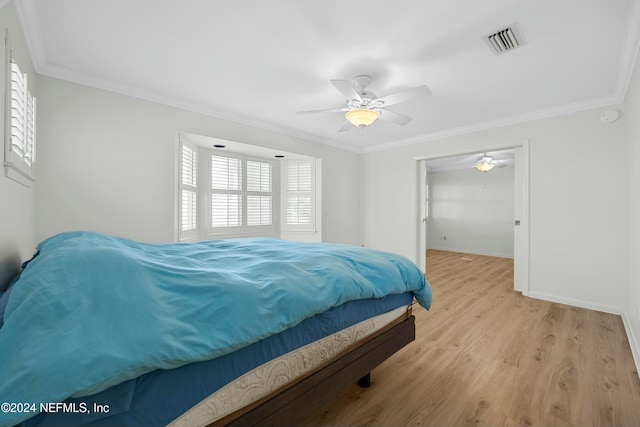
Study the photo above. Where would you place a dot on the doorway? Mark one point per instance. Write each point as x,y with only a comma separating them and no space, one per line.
515,156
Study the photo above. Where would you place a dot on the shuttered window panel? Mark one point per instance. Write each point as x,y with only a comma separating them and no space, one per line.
226,192
23,116
299,176
20,122
189,165
258,176
188,188
188,210
299,210
259,196
226,173
299,194
259,210
226,210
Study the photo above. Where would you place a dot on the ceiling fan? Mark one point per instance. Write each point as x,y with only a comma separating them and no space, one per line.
364,107
486,163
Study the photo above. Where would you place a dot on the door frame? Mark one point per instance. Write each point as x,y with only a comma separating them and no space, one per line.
521,234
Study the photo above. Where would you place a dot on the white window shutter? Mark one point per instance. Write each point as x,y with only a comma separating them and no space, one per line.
258,176
259,193
259,210
226,192
188,210
226,173
299,195
226,210
188,190
20,144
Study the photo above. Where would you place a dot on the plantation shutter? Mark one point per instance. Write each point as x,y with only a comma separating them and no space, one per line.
259,193
188,189
20,138
299,204
23,117
226,192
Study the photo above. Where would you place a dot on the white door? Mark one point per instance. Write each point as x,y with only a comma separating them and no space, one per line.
521,223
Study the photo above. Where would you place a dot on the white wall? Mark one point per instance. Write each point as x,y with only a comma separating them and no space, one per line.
17,241
473,210
632,109
107,163
579,205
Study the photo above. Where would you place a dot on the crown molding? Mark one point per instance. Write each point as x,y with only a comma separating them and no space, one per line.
506,121
110,86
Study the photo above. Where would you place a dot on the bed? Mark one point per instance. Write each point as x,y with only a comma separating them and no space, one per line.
258,331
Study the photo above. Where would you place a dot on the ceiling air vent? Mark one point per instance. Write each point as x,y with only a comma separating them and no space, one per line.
503,41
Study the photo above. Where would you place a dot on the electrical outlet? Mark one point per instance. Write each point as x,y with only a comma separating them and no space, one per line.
444,237
638,313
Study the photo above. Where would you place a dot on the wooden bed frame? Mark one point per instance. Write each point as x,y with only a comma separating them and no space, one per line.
297,401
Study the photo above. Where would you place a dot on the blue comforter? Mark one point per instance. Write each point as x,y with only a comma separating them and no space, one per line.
91,310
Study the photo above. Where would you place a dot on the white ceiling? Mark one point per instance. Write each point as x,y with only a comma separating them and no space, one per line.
258,62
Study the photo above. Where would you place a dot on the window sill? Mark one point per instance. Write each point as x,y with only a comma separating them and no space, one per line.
16,174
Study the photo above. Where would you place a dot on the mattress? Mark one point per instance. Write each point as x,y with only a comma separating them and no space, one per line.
209,389
277,373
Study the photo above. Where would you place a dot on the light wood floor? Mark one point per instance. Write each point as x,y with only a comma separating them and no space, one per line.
487,356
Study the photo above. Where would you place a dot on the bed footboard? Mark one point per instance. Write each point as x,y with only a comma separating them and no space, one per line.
312,392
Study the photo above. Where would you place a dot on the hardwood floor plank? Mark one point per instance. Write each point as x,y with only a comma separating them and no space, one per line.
487,356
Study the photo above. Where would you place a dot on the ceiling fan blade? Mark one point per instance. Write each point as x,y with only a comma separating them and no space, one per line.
346,126
327,110
346,88
405,95
393,117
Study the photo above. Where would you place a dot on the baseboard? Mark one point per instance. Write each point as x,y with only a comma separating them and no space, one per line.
633,343
472,252
575,302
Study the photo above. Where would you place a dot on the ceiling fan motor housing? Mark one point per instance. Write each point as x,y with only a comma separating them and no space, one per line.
360,83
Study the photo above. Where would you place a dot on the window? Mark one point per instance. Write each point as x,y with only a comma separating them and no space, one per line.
20,138
220,194
226,192
188,216
259,194
241,194
299,195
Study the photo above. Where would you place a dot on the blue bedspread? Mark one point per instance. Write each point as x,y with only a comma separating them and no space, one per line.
91,310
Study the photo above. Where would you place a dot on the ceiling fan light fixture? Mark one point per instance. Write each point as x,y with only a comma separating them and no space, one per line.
485,163
485,166
361,117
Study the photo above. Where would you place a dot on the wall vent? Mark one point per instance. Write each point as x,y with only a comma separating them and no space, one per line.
503,41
